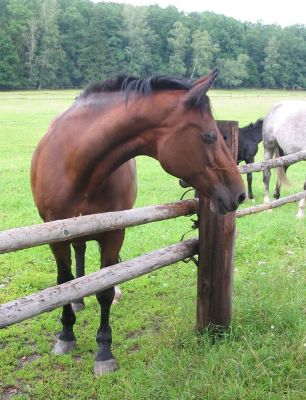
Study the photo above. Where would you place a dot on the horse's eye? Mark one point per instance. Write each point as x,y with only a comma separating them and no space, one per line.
209,137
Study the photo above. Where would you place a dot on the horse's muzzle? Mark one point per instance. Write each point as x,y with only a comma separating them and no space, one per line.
225,204
223,201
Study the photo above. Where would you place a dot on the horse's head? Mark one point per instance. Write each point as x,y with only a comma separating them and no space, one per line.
193,149
252,132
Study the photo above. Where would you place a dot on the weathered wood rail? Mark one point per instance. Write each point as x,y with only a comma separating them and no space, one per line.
72,228
293,198
53,297
273,163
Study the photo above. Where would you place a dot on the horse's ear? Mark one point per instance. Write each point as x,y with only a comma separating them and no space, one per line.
211,76
199,88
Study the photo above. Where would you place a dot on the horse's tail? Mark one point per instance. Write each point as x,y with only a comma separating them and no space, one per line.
281,172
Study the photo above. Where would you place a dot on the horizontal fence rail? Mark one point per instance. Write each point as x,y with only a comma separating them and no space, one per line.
273,163
273,204
72,228
56,296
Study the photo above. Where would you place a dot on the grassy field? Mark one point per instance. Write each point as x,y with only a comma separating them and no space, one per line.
160,356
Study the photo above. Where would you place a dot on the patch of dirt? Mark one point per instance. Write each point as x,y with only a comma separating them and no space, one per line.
5,282
157,322
60,367
135,334
134,348
9,392
27,359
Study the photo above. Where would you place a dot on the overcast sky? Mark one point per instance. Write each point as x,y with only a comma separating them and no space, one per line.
266,11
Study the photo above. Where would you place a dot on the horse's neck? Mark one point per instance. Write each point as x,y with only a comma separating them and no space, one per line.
257,135
123,133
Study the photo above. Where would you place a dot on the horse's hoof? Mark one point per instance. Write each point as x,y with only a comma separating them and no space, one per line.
118,295
300,215
78,306
62,347
105,367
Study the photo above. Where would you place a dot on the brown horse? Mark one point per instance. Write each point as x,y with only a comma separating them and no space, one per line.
75,166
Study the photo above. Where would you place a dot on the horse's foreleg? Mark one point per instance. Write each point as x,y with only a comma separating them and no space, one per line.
266,181
66,340
250,192
269,152
110,244
79,250
105,361
249,160
300,213
277,189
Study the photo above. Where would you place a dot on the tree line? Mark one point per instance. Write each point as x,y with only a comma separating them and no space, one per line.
69,43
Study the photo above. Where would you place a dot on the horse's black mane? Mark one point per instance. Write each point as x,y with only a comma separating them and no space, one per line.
143,86
256,124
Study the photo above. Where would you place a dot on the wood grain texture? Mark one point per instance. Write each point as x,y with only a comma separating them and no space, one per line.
71,228
53,297
216,250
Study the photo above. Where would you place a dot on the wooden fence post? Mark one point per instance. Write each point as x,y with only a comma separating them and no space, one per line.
216,250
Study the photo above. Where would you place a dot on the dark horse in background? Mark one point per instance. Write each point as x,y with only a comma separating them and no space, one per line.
87,149
248,139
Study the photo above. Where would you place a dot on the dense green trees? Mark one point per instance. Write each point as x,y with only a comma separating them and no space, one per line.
271,65
68,43
139,40
203,52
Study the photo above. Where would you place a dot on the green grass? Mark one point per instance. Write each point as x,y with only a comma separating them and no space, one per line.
160,356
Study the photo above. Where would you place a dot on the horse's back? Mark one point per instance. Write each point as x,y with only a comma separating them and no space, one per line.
285,125
59,186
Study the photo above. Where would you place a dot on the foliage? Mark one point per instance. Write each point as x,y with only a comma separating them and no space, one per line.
178,41
8,62
233,72
139,39
203,51
68,43
271,65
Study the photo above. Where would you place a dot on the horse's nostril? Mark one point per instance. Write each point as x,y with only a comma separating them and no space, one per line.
241,198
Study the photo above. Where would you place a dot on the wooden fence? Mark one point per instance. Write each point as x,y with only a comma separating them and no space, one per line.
215,265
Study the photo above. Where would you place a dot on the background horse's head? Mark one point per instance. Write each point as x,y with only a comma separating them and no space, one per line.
195,151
